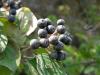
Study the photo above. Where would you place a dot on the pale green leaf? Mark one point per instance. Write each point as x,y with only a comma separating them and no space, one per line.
28,21
46,66
3,42
10,58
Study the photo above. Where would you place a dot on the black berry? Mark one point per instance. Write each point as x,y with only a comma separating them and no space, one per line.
48,21
11,4
34,44
59,46
58,55
50,29
60,22
41,23
12,12
53,39
61,29
65,39
42,33
44,43
11,18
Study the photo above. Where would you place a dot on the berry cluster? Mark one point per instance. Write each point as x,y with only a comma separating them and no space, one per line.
13,5
51,36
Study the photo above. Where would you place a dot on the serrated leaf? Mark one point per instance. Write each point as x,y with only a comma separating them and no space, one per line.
45,66
29,69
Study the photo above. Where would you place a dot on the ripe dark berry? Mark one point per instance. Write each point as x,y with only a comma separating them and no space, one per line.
60,22
12,12
48,21
50,29
42,33
58,55
59,46
34,44
11,18
41,23
53,39
61,29
11,4
65,39
44,43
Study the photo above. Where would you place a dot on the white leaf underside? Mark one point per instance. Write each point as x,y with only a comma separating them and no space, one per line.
27,18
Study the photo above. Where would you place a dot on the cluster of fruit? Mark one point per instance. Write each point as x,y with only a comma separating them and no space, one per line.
13,6
51,36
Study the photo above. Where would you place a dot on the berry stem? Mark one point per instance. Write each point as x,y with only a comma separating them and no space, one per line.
55,33
25,49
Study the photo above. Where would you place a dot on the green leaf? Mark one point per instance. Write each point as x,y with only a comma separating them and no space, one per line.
46,66
28,21
3,42
72,66
89,70
7,26
5,71
53,17
29,69
41,50
12,31
10,58
1,25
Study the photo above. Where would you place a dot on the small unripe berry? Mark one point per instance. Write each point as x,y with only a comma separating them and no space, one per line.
53,39
12,12
42,33
41,23
58,55
50,29
44,43
48,21
65,39
34,44
59,46
11,18
61,29
60,22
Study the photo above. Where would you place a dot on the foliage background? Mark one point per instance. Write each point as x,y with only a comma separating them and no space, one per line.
77,13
